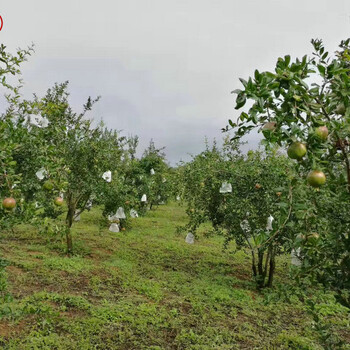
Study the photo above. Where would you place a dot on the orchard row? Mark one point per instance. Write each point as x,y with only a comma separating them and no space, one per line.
302,109
264,201
54,163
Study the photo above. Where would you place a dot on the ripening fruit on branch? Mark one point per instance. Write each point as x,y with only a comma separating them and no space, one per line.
127,202
322,133
48,185
312,237
296,150
340,109
278,194
9,203
257,186
58,201
341,143
269,126
316,178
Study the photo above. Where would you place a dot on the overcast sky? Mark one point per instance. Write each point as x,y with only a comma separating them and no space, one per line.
164,68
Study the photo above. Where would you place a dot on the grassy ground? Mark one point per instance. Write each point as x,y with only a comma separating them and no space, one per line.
145,288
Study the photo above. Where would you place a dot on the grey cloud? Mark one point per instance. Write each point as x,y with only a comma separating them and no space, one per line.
164,68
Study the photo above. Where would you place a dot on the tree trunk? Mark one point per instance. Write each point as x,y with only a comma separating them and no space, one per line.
267,260
69,241
255,272
260,277
69,223
272,268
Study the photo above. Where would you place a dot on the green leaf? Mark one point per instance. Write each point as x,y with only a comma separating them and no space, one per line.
287,60
244,82
321,69
232,124
257,75
240,101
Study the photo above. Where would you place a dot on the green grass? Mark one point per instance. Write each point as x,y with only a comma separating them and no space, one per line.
147,289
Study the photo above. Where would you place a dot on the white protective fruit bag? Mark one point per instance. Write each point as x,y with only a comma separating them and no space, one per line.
114,227
189,238
107,176
38,120
152,171
133,213
88,205
247,229
295,260
225,188
269,223
41,173
120,214
144,198
245,226
113,218
76,217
